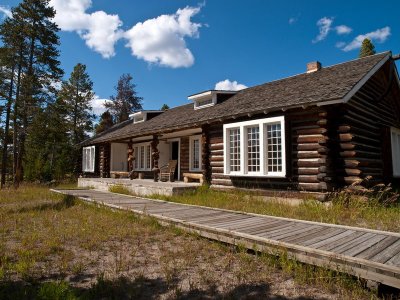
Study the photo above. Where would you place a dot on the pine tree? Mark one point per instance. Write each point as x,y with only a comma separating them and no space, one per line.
164,107
126,101
105,123
367,48
31,36
76,95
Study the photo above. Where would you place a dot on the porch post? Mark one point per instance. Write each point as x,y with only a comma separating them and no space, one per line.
205,155
104,166
130,156
155,154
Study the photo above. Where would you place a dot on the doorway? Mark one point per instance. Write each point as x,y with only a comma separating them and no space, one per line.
175,156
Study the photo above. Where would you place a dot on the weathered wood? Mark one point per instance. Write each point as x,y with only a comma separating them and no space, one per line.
299,239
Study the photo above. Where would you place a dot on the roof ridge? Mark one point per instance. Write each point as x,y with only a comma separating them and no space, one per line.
323,68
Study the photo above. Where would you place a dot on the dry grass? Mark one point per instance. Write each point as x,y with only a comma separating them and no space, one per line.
350,210
55,247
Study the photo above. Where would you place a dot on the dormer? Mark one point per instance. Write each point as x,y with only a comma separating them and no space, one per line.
144,115
209,98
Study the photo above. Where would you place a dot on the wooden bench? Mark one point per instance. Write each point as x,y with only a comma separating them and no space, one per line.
188,177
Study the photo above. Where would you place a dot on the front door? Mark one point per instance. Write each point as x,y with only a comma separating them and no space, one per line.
175,155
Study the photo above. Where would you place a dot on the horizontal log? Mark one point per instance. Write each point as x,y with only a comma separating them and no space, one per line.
224,182
318,138
216,146
308,179
352,172
306,154
312,131
322,122
217,163
216,158
308,163
315,187
219,176
362,163
307,147
308,171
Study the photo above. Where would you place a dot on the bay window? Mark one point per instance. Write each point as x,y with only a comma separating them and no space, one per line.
255,148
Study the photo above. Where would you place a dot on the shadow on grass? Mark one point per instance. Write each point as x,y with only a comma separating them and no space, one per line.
66,201
123,288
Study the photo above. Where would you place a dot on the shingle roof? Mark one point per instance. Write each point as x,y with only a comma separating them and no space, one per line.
325,85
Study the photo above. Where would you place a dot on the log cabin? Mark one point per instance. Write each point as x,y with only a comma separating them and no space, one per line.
315,132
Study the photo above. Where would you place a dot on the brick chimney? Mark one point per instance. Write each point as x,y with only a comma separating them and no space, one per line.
313,66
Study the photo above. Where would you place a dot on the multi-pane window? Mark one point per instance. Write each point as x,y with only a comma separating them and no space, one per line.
234,149
195,153
395,139
274,145
142,154
88,157
255,148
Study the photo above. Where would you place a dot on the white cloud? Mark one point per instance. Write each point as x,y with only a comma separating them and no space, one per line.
343,29
6,11
98,105
99,30
340,44
162,40
227,85
325,25
379,35
293,20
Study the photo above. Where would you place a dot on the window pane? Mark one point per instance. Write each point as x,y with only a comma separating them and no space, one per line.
196,154
234,150
148,157
274,153
142,157
253,149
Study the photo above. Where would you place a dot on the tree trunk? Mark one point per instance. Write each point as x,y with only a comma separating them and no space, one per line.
6,131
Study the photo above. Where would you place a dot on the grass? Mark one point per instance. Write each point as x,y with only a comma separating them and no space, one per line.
56,247
354,212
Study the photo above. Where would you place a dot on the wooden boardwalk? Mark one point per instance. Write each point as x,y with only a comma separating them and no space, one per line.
370,254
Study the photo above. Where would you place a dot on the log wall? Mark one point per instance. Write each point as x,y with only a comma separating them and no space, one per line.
364,129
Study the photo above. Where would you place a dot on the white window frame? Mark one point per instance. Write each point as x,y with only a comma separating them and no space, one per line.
137,156
191,156
262,124
88,166
395,146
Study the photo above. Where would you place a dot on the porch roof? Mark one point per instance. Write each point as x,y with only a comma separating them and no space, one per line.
322,87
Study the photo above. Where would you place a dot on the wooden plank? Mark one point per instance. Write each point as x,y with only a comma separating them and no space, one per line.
354,243
260,226
308,228
363,246
333,232
240,224
377,248
387,253
394,261
305,237
331,239
339,241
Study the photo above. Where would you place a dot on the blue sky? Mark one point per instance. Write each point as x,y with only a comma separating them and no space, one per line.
177,48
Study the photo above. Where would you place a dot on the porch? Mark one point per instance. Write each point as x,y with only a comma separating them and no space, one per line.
142,187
